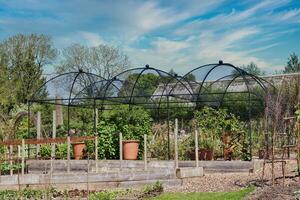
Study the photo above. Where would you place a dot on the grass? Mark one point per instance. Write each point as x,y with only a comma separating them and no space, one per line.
236,195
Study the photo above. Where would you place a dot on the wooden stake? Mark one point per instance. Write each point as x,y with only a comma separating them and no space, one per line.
38,132
175,143
68,154
96,154
273,157
23,156
121,148
145,152
196,148
53,136
11,158
19,151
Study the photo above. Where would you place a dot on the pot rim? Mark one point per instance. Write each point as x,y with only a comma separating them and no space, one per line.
77,143
131,141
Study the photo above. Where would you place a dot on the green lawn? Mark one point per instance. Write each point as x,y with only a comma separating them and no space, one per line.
237,195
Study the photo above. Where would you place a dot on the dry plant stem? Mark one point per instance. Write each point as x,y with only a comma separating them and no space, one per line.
298,151
273,148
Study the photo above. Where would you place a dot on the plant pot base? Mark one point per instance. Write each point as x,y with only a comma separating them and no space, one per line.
78,150
130,149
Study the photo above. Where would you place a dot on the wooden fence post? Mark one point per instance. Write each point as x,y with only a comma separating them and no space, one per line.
38,132
175,143
53,136
68,154
23,156
121,149
19,151
145,152
11,158
96,153
196,148
96,141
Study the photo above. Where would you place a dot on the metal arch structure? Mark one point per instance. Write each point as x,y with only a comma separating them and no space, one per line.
235,74
205,85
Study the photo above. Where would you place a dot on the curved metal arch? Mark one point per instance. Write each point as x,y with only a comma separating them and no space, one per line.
225,91
240,71
167,84
93,83
158,71
60,75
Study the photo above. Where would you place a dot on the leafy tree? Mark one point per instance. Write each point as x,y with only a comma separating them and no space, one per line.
140,85
22,58
106,61
293,64
252,68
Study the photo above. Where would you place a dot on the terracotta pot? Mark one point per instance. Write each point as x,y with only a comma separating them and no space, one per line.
130,149
202,154
78,150
209,154
191,155
227,153
226,138
262,153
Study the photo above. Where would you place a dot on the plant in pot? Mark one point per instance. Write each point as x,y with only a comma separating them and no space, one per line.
78,147
208,123
209,149
130,143
232,129
133,124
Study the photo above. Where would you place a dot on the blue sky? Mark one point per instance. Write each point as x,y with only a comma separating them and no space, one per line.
166,34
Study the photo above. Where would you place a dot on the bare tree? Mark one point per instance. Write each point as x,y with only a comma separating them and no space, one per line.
103,60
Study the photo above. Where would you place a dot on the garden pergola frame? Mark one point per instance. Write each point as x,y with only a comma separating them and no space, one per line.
205,85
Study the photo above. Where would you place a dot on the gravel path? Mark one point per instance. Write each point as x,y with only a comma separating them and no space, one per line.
218,182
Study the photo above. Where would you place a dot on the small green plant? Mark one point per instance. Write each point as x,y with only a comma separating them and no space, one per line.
45,151
152,190
104,195
62,150
5,167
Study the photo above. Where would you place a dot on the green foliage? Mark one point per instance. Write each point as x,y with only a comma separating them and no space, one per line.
293,64
214,123
22,60
236,195
45,151
144,85
108,139
104,195
26,194
133,123
62,151
298,115
152,190
5,167
252,68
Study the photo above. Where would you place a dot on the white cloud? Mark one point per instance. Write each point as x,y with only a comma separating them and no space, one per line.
178,33
92,39
195,51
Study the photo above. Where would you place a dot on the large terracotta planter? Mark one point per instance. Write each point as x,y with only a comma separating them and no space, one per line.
209,154
78,150
227,150
263,154
227,153
202,154
130,149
